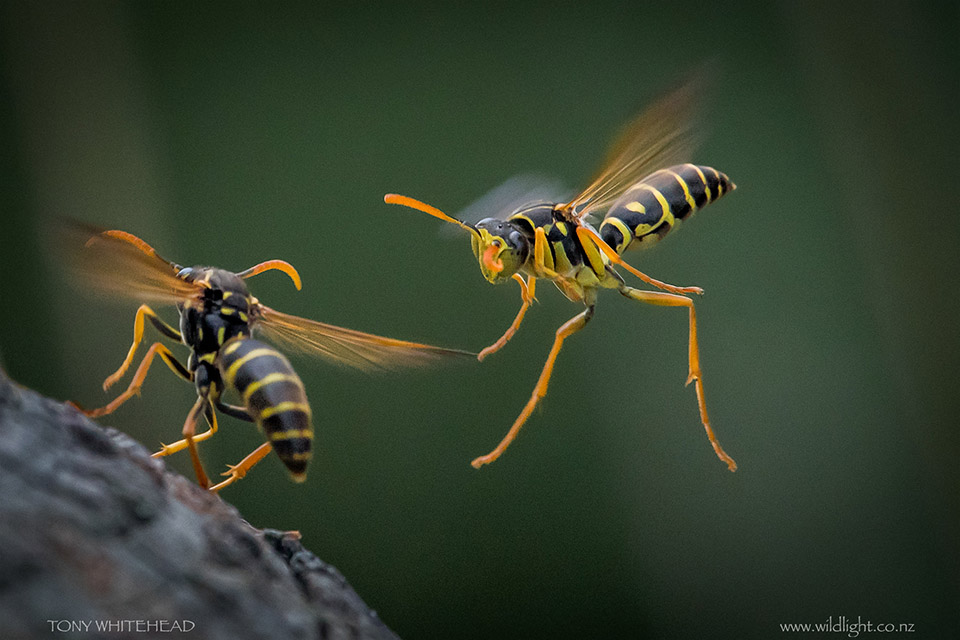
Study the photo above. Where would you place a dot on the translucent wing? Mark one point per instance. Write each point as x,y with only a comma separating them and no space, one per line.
120,264
658,137
345,346
512,194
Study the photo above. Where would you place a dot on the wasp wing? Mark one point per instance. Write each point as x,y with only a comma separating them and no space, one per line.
119,264
511,195
347,347
660,136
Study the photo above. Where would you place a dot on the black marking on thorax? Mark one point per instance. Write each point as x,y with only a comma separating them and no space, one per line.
559,233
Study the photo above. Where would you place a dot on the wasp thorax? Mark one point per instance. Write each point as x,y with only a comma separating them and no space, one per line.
501,248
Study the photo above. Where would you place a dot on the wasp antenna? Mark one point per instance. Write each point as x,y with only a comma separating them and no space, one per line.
131,239
406,201
279,265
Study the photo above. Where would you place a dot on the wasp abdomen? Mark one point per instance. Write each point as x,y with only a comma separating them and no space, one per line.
649,209
274,396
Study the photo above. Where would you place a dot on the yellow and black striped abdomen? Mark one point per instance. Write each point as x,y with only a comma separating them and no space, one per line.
649,209
274,396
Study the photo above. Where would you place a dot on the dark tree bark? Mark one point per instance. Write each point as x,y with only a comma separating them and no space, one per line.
98,537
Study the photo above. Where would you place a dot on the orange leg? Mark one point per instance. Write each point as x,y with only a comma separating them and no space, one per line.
180,445
586,234
138,377
241,468
694,375
143,312
568,328
527,290
189,429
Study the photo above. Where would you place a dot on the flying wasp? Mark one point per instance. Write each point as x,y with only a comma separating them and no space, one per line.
556,241
218,317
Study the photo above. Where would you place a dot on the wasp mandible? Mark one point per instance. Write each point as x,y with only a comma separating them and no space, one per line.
218,317
555,241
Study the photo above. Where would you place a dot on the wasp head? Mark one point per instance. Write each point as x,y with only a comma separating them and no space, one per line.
501,248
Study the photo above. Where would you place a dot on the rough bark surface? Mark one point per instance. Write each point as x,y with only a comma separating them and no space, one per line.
96,532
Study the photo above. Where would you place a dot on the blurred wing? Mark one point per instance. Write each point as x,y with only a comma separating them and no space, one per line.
119,267
659,137
345,346
511,195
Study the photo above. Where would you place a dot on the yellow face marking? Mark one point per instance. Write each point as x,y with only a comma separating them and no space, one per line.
562,227
243,317
291,434
208,357
268,379
686,190
283,407
227,294
227,311
636,207
221,334
231,372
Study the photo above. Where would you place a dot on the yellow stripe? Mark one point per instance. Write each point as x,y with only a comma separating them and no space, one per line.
659,196
233,347
227,311
624,231
306,455
719,181
270,378
703,178
562,227
291,434
256,353
686,190
209,357
285,406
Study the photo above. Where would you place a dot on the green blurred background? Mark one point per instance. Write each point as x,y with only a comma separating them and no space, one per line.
231,133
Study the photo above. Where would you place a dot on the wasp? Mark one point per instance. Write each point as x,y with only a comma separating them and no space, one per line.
644,191
217,319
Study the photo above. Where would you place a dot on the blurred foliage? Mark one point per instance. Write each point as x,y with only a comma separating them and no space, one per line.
229,133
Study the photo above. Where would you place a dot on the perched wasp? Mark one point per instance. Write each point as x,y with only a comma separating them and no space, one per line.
218,316
555,241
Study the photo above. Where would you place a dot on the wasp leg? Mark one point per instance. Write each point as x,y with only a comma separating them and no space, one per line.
588,235
527,290
540,255
239,470
694,375
189,429
567,329
143,312
279,265
137,382
234,411
180,445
